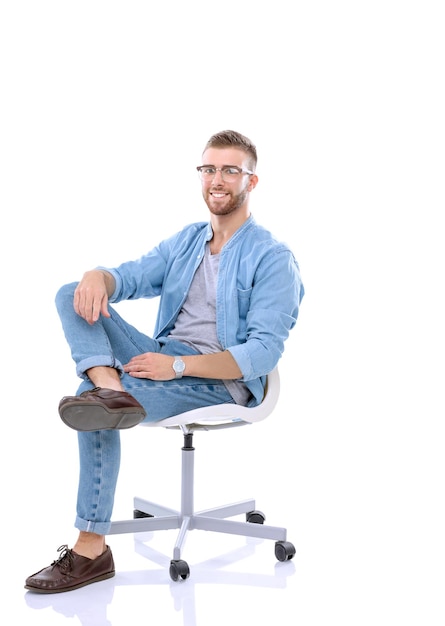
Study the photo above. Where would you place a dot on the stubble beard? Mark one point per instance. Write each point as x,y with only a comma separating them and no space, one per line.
231,206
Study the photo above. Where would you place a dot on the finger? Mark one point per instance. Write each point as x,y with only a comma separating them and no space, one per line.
97,307
104,308
81,306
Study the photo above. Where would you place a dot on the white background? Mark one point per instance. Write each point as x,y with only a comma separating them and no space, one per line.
105,109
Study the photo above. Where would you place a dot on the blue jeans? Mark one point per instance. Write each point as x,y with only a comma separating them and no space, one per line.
113,342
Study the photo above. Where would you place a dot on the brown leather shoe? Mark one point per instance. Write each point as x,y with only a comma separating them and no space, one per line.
101,409
71,571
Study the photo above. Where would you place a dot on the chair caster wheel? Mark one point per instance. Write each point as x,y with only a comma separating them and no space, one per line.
284,550
179,569
255,517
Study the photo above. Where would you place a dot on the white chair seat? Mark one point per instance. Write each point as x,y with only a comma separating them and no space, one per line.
226,415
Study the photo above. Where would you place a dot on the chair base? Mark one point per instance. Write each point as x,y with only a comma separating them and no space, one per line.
150,516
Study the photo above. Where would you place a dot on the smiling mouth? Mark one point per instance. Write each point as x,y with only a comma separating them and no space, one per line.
218,194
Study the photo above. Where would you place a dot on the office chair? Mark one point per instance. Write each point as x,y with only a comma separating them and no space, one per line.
149,516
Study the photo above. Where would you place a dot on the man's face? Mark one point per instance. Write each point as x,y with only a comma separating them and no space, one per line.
224,197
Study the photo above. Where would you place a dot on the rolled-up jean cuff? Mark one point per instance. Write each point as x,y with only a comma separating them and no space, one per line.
98,361
100,528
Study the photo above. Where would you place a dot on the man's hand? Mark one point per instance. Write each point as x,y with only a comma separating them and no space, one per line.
91,295
151,365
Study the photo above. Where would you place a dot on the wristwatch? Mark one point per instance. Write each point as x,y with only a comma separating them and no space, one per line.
178,366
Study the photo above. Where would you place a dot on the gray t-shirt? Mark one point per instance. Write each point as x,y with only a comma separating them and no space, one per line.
196,322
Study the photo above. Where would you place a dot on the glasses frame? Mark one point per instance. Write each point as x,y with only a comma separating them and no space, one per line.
242,172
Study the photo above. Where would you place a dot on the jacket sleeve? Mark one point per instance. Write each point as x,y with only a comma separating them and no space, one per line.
268,311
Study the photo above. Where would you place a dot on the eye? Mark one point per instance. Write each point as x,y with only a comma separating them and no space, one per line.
231,171
208,170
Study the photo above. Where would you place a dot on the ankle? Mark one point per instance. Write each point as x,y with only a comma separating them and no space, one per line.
90,545
105,377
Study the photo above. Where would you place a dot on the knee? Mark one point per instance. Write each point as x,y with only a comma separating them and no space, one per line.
65,295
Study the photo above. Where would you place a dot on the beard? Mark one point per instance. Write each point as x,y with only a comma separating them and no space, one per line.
232,203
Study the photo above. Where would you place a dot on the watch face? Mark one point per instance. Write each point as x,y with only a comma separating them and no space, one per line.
179,366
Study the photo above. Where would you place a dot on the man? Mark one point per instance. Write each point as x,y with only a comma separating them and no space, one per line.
229,295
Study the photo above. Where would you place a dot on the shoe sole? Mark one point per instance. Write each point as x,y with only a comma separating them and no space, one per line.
87,417
78,586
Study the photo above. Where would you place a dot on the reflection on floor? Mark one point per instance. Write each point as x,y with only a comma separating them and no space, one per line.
236,569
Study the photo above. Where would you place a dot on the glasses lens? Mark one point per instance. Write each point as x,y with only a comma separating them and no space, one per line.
207,173
230,173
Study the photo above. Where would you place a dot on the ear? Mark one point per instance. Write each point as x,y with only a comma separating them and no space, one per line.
252,182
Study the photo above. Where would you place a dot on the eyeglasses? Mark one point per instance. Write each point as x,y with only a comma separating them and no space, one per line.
229,173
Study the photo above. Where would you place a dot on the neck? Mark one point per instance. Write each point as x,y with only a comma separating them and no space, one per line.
224,226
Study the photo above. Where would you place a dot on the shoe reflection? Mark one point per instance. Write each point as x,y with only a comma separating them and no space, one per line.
89,604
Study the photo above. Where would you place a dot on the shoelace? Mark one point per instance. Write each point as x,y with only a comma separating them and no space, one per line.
65,560
84,393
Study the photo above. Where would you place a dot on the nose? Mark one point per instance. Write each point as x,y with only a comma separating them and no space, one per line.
217,178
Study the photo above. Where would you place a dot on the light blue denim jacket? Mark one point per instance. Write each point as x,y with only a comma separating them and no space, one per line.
258,294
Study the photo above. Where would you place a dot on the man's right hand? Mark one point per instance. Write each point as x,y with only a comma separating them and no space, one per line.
91,295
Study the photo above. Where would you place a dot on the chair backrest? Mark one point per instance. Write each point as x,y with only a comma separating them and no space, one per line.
226,415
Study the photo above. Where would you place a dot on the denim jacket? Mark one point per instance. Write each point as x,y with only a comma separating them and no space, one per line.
258,294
